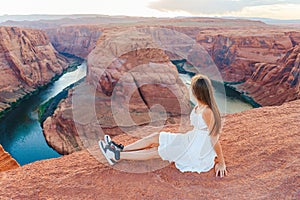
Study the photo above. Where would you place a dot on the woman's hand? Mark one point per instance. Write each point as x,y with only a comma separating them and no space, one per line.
220,169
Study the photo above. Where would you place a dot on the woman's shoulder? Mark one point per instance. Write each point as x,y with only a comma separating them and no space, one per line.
207,111
207,114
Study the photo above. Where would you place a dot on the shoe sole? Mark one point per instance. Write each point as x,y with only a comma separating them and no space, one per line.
104,153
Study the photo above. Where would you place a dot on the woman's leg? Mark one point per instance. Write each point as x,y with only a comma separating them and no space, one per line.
143,143
146,154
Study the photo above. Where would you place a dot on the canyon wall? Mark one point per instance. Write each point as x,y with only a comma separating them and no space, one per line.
237,47
27,61
77,40
275,83
260,148
260,65
236,53
6,161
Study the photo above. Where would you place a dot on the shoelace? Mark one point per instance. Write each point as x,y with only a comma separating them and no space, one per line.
120,146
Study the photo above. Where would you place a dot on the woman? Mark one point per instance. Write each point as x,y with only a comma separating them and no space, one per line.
193,151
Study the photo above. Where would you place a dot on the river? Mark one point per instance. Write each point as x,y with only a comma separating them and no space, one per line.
20,131
226,104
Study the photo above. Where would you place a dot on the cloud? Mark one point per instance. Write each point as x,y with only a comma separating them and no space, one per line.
197,7
276,11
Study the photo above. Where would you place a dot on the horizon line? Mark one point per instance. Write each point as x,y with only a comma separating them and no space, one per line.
162,17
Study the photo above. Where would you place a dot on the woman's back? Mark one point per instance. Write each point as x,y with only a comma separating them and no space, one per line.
191,151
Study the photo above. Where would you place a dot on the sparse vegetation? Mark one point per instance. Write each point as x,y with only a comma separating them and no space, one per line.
47,109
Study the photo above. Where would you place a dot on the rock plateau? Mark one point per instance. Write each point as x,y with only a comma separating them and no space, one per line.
260,148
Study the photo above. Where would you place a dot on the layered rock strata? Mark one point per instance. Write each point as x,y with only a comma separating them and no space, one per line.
274,84
27,61
236,47
77,40
130,84
6,161
139,79
257,65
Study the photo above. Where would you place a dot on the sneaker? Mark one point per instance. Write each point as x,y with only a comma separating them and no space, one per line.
111,154
110,142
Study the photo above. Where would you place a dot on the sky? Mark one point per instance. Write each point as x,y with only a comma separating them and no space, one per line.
276,9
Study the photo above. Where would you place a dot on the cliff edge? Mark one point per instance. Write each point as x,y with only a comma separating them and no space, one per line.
6,161
261,151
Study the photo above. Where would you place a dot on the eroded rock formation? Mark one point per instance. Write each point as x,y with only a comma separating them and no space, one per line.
77,40
260,148
274,84
6,161
236,46
245,59
27,61
235,54
128,77
134,78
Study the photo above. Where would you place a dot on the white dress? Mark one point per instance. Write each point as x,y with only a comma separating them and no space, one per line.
192,151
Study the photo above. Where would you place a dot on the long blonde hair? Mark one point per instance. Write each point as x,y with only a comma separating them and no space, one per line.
203,91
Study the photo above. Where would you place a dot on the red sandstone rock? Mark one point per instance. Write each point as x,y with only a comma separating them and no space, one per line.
119,77
60,131
265,65
6,161
131,62
236,46
77,40
126,91
27,61
236,53
274,84
260,148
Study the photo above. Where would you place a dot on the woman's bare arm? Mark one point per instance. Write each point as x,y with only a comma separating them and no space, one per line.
220,167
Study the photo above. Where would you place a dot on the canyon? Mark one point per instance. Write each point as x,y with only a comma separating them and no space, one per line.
126,92
276,83
257,65
28,61
261,56
133,89
237,47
